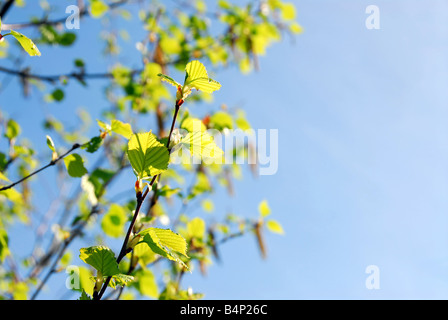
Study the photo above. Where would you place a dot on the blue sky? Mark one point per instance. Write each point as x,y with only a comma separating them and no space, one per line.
363,153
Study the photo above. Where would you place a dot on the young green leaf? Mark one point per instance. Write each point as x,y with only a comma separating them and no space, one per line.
148,157
113,221
165,243
274,226
26,43
75,165
4,250
120,280
263,208
121,128
93,145
50,143
197,78
196,228
202,145
98,8
168,80
101,258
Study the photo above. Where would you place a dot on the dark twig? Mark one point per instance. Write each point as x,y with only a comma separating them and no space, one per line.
52,163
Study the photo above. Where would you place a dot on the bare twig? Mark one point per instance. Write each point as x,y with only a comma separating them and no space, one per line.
52,163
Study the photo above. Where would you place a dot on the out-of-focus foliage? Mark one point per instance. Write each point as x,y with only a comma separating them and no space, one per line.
180,39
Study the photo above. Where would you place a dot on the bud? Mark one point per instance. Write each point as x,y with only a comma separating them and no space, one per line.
98,282
133,242
138,187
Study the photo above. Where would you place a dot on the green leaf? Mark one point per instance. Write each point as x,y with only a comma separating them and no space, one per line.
274,226
121,128
193,124
12,129
148,157
221,120
26,43
168,79
93,145
101,258
263,208
165,243
166,191
98,8
146,283
288,11
58,95
120,280
84,296
197,78
50,143
75,165
114,220
4,250
196,228
202,145
207,205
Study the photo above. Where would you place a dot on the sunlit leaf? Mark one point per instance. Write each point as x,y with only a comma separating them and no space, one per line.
148,157
101,258
197,78
274,226
26,43
165,243
263,208
121,128
114,220
171,81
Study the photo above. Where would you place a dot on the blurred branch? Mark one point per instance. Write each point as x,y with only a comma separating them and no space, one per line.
6,8
83,12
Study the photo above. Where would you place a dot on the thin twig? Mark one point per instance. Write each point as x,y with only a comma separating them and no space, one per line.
52,163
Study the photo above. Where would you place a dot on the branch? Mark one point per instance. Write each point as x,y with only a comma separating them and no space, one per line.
140,199
6,8
52,163
83,12
54,78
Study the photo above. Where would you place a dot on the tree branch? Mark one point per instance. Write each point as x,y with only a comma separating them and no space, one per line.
83,12
52,163
6,8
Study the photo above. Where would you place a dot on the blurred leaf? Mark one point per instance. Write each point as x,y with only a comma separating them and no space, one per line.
98,8
202,145
12,129
4,249
93,145
50,143
75,165
274,226
196,228
263,208
114,220
121,128
26,43
146,283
